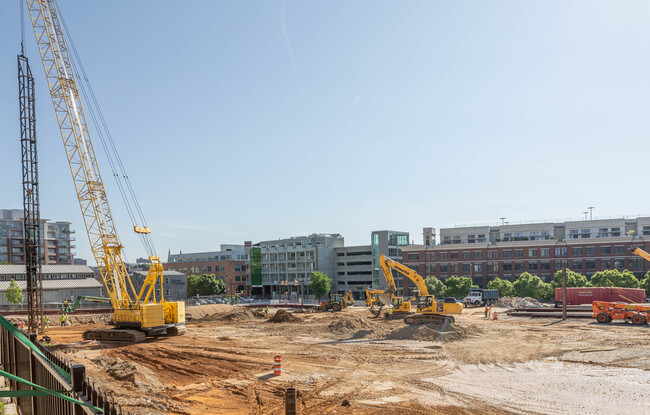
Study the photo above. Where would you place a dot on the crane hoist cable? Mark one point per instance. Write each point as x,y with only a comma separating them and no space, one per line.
127,193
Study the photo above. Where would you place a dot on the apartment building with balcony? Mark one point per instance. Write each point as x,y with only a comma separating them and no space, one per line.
539,248
287,264
56,246
231,263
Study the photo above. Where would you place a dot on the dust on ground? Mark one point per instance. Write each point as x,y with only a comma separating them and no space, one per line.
352,363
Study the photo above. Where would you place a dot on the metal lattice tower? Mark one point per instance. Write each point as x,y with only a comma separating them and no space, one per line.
32,217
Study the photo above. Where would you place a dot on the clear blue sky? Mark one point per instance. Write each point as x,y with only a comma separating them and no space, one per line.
352,117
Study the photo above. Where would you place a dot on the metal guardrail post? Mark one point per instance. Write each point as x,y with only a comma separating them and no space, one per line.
78,373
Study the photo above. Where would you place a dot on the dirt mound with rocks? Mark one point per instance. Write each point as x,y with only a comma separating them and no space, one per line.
518,302
88,319
128,371
433,332
348,325
201,311
283,316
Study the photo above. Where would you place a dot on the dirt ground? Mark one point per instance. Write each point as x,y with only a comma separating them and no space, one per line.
352,363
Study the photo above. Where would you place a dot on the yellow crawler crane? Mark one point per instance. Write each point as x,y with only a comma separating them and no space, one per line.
135,314
429,309
399,305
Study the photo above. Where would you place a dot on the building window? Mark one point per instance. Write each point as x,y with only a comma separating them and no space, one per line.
519,266
576,251
590,264
507,254
605,263
532,266
560,251
466,268
619,263
545,252
467,254
493,254
478,254
636,263
532,253
590,250
478,267
605,250
519,253
452,268
560,264
493,267
619,249
413,257
577,264
453,255
443,255
507,266
444,268
545,265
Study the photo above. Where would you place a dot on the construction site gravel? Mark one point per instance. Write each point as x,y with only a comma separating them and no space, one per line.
352,363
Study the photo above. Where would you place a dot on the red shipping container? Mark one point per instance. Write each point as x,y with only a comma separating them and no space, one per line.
587,295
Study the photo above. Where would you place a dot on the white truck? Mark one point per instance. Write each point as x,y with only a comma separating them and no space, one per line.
479,296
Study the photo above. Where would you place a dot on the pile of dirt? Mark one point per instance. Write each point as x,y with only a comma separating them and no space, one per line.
518,302
130,372
198,312
433,332
347,325
283,316
236,314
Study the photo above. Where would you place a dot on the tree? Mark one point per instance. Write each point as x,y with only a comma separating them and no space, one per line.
458,287
528,285
435,286
320,284
573,279
504,286
614,278
206,284
546,291
645,284
14,294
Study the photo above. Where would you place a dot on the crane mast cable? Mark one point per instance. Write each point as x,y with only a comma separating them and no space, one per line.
108,144
85,172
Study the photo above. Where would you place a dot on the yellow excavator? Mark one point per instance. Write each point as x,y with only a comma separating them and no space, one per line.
398,304
136,313
429,309
337,302
373,297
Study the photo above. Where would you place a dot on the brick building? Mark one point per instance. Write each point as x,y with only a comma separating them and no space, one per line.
231,264
506,251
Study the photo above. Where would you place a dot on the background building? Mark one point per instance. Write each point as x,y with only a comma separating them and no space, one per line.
390,244
230,264
59,282
175,284
484,253
287,264
353,270
56,245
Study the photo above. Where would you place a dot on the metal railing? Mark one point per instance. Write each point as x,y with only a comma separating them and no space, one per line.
48,370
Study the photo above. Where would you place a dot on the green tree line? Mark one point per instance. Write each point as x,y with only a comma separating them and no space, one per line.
528,285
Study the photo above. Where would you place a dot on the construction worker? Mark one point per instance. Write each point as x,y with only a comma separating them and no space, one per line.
65,304
63,319
486,311
47,321
22,326
390,314
266,310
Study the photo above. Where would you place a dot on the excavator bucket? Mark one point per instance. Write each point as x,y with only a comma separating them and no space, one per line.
386,298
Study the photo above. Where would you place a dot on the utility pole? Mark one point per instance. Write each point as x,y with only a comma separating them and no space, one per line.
503,221
564,293
31,207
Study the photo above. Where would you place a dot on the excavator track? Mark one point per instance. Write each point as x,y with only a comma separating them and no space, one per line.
115,335
428,318
176,331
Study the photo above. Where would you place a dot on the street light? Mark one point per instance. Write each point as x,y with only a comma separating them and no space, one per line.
591,208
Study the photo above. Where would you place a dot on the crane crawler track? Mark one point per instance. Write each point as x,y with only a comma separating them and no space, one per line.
115,335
